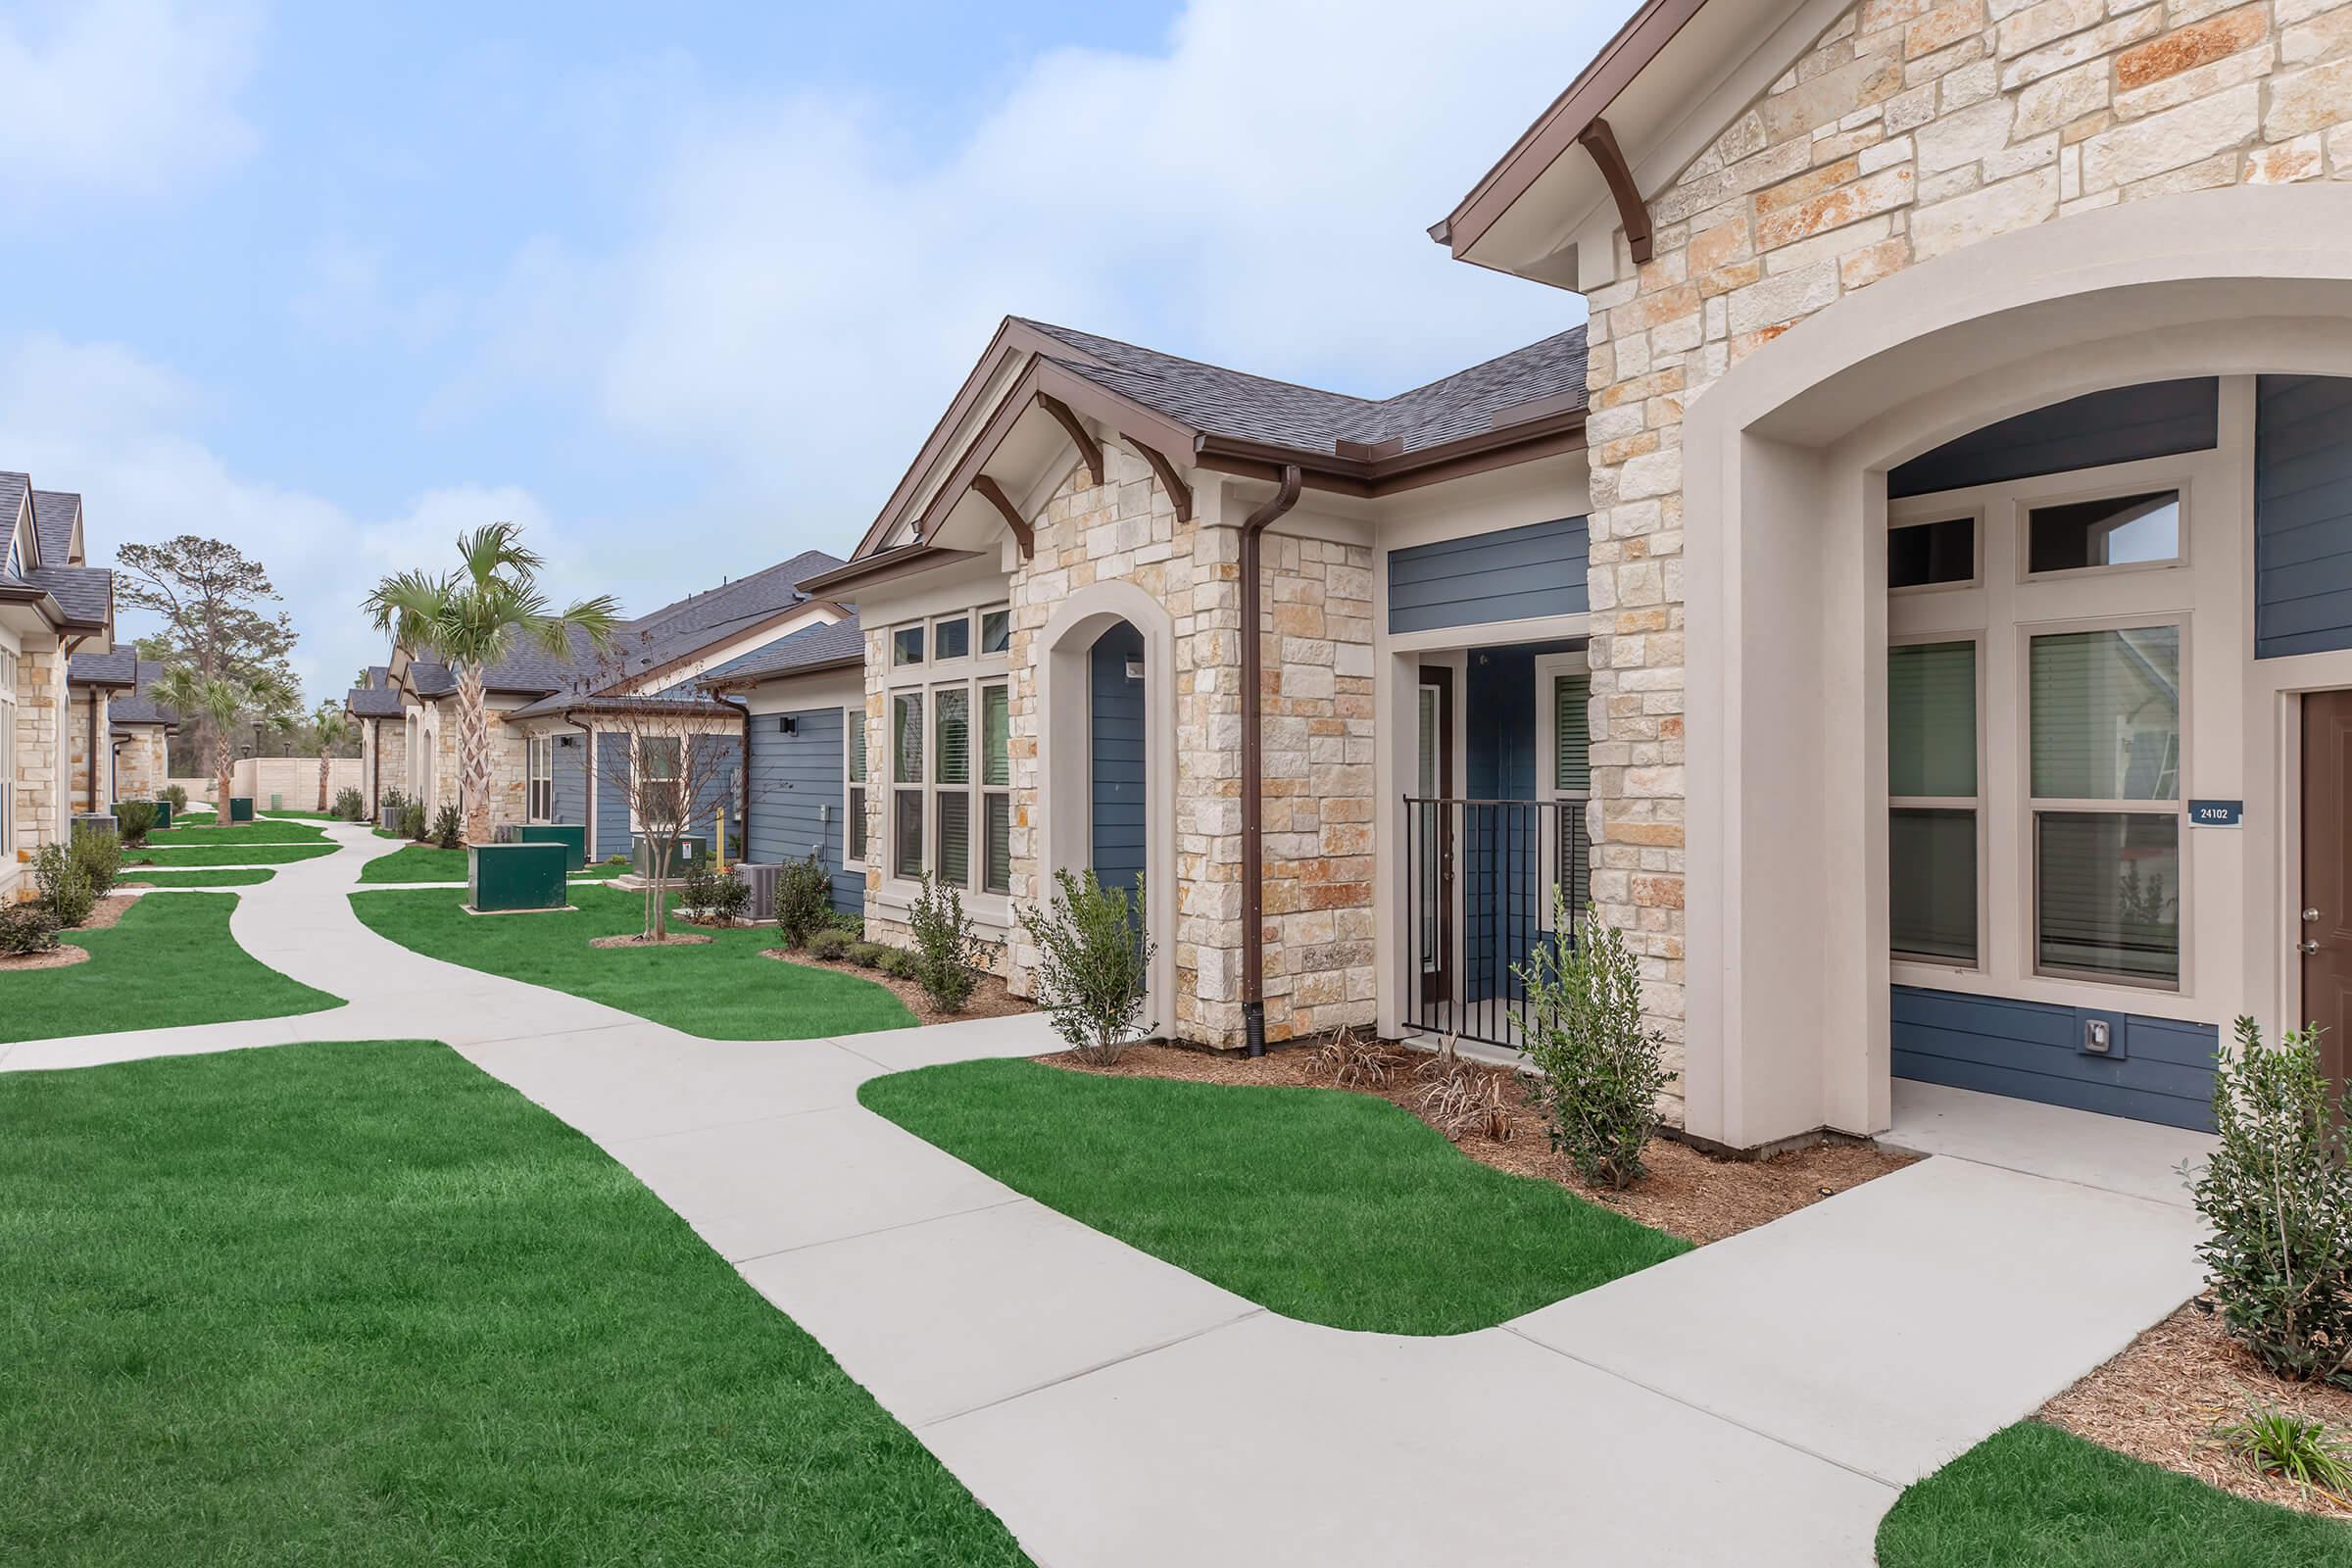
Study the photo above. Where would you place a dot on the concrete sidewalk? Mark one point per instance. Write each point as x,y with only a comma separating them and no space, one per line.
1760,1401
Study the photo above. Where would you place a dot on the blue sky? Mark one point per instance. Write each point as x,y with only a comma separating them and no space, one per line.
682,288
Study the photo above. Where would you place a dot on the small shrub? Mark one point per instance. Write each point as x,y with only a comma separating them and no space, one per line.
1093,961
617,859
733,897
26,928
177,795
804,900
2278,1194
1352,1063
411,821
389,808
136,819
2276,1443
830,945
449,828
1602,1070
351,806
99,853
697,893
868,955
64,886
948,956
848,924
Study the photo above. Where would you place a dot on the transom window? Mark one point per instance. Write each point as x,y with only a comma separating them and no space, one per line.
1932,555
2114,531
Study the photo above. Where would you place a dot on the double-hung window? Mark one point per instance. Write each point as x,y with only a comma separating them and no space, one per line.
853,848
1935,802
2105,806
661,767
995,787
539,771
906,785
951,783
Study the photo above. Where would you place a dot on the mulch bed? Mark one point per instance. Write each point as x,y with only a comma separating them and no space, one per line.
638,939
58,958
2161,1399
105,913
989,999
1686,1194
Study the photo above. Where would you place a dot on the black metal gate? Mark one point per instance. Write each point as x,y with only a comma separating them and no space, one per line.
1479,881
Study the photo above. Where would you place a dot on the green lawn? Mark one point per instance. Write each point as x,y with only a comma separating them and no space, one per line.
1321,1205
720,990
303,817
194,879
422,862
168,962
2033,1497
242,833
227,853
361,1305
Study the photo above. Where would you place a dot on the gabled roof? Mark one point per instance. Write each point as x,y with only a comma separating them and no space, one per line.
54,515
119,669
372,701
140,707
837,646
1216,401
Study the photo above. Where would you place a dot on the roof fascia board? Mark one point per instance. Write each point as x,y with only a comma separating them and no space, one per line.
1542,437
757,679
1014,339
687,665
1557,130
902,560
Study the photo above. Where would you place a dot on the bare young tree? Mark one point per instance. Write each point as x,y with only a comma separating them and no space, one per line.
678,762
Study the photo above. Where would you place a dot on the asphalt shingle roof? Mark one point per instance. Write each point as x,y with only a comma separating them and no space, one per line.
140,707
372,701
53,514
86,594
119,669
810,645
1217,401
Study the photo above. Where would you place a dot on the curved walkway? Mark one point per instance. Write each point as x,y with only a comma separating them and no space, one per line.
1759,1402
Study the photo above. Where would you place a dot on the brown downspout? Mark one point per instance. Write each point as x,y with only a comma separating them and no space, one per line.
1253,842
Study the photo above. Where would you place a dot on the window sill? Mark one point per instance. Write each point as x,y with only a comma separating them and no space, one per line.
992,912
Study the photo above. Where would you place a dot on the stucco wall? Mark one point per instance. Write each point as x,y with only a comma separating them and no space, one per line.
1909,132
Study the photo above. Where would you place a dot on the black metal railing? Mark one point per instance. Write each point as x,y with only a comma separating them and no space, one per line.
1479,882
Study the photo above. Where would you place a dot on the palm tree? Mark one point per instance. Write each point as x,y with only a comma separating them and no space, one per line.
330,728
222,701
473,617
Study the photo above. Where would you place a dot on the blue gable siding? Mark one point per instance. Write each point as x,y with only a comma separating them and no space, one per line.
1116,724
797,797
1506,576
2302,514
2154,420
612,804
2162,1069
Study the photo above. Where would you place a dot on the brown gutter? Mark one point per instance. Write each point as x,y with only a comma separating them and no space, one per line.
897,561
1254,837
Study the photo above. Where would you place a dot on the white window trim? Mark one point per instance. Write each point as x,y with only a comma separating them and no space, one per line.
637,775
852,809
2006,607
2034,806
538,749
1550,667
969,673
1975,803
2180,559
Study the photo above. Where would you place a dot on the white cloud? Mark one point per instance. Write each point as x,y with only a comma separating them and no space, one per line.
120,96
97,418
804,296
347,301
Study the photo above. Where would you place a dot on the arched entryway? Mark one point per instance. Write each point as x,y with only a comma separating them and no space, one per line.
1785,464
1106,760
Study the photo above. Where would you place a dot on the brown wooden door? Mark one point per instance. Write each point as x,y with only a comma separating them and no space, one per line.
2327,924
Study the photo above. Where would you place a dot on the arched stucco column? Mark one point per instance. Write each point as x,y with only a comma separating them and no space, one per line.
1785,460
1062,761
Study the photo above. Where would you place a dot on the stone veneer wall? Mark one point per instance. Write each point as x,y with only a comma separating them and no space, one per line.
78,746
1317,625
41,707
1911,129
141,768
389,771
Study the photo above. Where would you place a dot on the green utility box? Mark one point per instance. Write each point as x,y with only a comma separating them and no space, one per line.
515,876
572,836
240,808
687,855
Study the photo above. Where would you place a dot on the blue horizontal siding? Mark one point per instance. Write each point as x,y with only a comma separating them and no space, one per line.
1506,576
1117,760
797,797
2302,514
571,779
2163,1071
2155,420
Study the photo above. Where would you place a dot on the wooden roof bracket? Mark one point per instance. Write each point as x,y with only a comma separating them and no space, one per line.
983,485
1179,493
1088,448
1631,211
